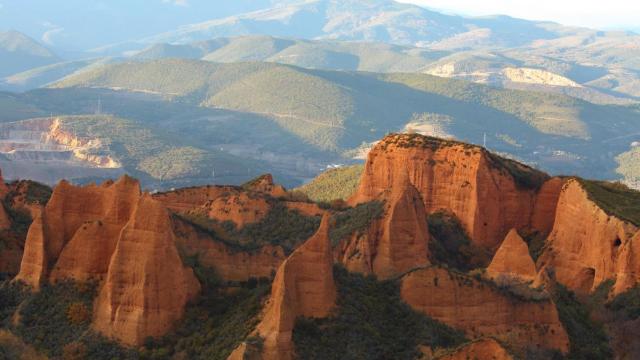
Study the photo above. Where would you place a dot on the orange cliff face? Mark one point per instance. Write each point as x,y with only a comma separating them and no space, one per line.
478,187
147,286
74,216
484,349
193,198
481,309
112,233
587,246
264,184
303,286
512,261
395,243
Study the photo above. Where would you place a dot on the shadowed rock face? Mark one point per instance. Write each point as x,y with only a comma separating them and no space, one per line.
587,246
464,179
481,310
512,261
485,349
113,233
230,264
303,286
395,243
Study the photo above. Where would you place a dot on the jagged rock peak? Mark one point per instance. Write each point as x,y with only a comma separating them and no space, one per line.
512,261
303,286
265,184
147,286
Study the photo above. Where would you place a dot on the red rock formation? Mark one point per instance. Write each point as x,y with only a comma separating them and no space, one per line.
264,184
303,286
76,215
512,261
483,349
230,264
480,309
587,246
147,286
4,189
476,186
240,208
187,199
5,222
546,202
112,232
394,244
35,262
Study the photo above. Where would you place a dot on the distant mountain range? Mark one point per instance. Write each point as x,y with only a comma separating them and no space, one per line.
329,76
335,112
18,53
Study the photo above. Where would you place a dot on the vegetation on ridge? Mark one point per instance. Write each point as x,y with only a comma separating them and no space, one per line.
214,324
370,322
615,199
56,320
333,184
280,227
450,245
588,339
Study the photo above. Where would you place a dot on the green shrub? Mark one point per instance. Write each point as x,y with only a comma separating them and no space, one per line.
11,295
588,338
281,227
370,322
615,199
355,219
334,184
627,303
214,324
46,322
451,245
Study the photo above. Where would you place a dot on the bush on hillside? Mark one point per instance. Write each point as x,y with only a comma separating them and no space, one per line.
371,322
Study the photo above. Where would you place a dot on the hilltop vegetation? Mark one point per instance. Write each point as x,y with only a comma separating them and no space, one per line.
371,322
335,111
327,107
147,152
615,199
333,184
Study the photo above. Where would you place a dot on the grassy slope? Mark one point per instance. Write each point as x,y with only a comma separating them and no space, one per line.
615,199
150,153
13,108
335,110
333,184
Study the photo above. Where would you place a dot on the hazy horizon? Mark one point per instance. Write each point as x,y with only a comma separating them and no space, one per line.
618,15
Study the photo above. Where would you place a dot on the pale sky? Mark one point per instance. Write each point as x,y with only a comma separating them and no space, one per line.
602,14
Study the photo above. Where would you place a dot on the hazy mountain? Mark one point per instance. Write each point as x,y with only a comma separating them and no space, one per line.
503,68
19,52
82,25
370,20
42,76
338,111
